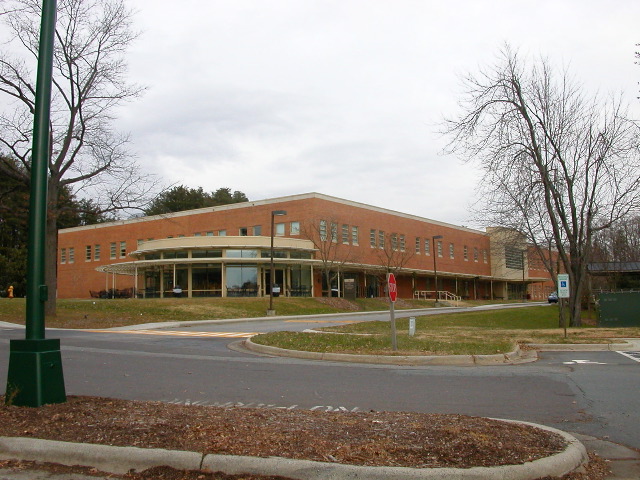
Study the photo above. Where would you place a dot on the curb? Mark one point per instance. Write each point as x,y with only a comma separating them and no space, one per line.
123,459
582,347
517,356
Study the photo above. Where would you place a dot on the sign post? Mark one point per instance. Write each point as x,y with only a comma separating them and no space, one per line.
393,295
563,292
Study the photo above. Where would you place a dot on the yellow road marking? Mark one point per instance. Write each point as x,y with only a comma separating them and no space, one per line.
180,334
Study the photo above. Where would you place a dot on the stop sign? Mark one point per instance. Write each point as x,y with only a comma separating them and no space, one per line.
393,289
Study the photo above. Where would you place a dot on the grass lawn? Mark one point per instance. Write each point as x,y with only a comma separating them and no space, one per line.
107,313
479,333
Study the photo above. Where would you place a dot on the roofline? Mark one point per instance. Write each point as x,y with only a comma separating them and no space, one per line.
268,201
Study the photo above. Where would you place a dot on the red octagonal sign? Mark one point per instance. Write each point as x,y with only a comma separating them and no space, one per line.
393,289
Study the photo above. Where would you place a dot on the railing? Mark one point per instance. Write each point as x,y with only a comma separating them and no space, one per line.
437,294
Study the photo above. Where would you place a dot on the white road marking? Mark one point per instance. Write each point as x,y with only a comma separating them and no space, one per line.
583,362
632,355
180,334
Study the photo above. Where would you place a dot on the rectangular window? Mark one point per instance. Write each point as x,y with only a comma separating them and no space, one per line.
139,242
513,258
380,239
63,255
323,230
294,228
372,238
197,234
403,245
87,254
417,245
394,242
222,233
334,232
279,229
256,230
465,251
484,256
209,234
96,253
451,251
72,255
439,244
427,246
243,231
354,235
475,254
112,250
345,234
123,249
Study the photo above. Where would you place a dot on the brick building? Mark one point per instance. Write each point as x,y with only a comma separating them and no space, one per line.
321,244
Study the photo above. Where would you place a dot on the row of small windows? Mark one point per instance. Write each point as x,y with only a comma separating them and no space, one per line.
378,239
94,252
255,231
426,242
349,234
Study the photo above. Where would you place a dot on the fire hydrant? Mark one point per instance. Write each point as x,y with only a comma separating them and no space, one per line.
10,291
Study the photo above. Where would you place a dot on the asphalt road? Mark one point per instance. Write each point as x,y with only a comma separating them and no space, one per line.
595,393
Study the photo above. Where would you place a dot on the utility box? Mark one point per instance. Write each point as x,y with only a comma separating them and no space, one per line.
621,309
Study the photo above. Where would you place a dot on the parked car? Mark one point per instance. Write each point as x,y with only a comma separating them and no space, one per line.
553,297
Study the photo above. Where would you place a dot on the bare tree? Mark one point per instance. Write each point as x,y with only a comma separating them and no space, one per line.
558,165
88,84
331,251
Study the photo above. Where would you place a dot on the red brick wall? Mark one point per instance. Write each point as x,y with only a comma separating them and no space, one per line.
75,280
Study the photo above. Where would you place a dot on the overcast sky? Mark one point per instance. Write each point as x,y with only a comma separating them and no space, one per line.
344,97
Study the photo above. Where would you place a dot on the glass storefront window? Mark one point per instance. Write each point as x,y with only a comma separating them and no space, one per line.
276,254
242,281
206,280
300,281
206,254
242,254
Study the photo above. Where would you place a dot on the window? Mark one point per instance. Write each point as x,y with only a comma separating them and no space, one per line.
334,232
112,250
323,230
123,249
427,246
372,238
354,235
243,232
209,234
439,244
345,234
402,243
380,239
394,242
96,253
451,251
87,255
475,254
222,233
256,230
514,258
197,234
417,245
63,255
465,251
484,256
72,255
139,242
294,228
279,229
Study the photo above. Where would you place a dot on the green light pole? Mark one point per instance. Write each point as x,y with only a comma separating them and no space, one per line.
35,365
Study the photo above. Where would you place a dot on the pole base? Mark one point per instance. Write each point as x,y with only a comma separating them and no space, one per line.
271,312
35,375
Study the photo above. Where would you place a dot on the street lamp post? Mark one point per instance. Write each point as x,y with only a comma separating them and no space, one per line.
274,213
435,270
